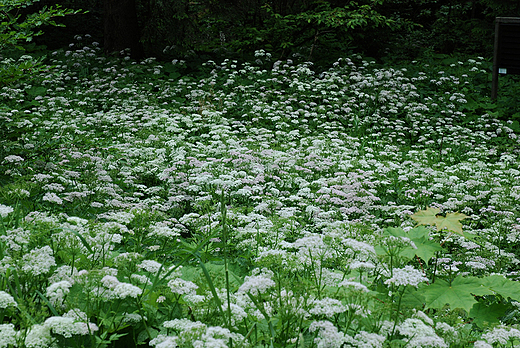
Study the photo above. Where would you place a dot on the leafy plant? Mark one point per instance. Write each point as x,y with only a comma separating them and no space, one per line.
15,29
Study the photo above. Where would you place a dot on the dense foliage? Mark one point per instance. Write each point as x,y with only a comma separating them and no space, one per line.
322,30
257,204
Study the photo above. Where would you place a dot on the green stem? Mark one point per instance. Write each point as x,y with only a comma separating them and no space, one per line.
226,266
397,312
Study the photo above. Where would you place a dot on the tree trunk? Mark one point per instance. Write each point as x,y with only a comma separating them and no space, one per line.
121,29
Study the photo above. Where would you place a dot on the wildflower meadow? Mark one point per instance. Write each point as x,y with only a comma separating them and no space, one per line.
256,204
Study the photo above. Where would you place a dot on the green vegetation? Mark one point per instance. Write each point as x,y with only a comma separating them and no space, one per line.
258,204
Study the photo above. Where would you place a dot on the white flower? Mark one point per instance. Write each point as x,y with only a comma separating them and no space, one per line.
5,210
13,159
150,266
56,292
124,290
419,334
363,266
38,336
369,340
7,335
161,229
185,325
415,327
52,197
38,261
70,324
181,286
163,341
256,284
426,342
406,276
328,307
357,286
141,279
132,318
421,315
362,250
501,335
7,300
328,335
110,281
446,331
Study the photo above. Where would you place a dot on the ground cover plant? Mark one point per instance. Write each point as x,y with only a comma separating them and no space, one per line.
256,204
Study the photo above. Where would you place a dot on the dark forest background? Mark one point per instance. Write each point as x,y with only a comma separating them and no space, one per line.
318,30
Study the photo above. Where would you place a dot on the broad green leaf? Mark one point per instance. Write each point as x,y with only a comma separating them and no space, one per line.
485,315
460,294
426,248
504,287
413,298
426,217
429,217
451,222
395,231
420,236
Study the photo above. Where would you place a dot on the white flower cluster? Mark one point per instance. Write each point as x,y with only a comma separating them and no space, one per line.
195,334
119,289
355,285
406,276
13,159
420,335
16,238
149,266
327,307
7,300
5,210
182,287
52,198
328,335
38,261
258,283
72,323
161,229
7,335
56,292
501,335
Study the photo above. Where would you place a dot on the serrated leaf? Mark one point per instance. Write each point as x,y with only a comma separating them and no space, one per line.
426,217
485,315
451,222
504,287
412,298
460,294
426,248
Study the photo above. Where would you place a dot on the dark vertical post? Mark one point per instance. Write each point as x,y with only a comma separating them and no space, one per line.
494,85
506,55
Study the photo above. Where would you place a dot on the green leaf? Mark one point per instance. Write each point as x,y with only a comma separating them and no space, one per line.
426,217
430,217
503,286
412,298
426,248
460,294
36,91
485,315
451,222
